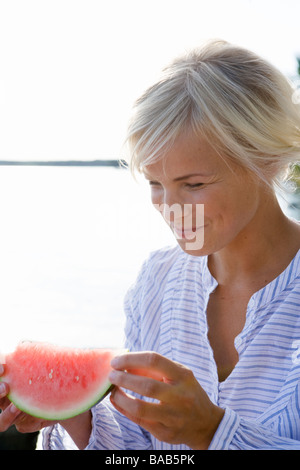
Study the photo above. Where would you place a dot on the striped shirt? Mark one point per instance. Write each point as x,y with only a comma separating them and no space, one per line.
166,312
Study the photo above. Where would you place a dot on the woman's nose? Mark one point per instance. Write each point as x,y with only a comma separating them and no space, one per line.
170,207
164,197
170,198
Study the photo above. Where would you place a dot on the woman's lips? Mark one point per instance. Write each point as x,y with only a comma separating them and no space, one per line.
186,233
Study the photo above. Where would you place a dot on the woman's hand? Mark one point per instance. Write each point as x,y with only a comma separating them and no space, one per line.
9,412
182,414
11,415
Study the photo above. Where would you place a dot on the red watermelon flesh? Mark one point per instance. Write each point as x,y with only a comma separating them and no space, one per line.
53,382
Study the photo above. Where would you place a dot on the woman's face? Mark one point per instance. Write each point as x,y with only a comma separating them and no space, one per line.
208,202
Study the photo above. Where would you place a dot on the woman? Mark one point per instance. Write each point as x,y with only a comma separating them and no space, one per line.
213,325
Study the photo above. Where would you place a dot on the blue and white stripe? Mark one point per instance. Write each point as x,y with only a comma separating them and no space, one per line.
166,313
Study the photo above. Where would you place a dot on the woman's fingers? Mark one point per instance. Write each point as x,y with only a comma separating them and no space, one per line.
9,412
150,364
145,386
4,401
8,417
183,412
135,409
3,389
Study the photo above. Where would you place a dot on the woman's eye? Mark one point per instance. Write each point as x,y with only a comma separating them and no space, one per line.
194,186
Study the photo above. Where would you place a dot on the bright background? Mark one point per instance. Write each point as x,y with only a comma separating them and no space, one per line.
70,69
73,238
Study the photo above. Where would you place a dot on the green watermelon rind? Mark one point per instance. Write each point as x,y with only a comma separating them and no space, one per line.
36,412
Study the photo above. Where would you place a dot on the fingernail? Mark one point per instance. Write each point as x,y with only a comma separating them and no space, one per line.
112,376
1,369
13,409
114,361
2,388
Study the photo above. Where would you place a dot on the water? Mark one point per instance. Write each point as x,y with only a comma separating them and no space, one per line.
72,240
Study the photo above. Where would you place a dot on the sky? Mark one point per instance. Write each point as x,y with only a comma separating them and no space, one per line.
71,69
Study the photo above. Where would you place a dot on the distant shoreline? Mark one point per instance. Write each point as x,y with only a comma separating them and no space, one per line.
111,163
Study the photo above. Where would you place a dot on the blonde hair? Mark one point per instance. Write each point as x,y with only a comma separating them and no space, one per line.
242,104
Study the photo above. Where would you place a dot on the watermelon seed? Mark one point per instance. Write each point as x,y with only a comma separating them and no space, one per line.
50,375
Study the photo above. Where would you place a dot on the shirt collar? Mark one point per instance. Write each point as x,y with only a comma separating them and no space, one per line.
280,284
208,281
267,293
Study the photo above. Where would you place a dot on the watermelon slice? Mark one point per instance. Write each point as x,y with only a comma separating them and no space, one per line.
54,382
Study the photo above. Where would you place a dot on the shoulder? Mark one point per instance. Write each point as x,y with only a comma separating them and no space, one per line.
157,266
163,271
155,272
164,258
168,261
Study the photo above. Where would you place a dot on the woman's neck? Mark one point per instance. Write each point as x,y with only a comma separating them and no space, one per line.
262,251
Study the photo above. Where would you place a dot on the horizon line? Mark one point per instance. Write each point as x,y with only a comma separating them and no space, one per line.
116,163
